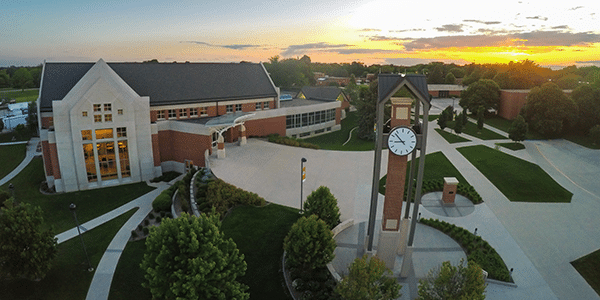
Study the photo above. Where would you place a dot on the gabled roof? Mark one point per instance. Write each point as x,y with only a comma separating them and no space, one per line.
323,93
167,83
389,82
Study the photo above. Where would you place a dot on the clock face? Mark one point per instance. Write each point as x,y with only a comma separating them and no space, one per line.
402,141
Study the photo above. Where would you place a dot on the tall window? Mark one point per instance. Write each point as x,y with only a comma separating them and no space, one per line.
124,158
121,132
120,111
106,159
90,162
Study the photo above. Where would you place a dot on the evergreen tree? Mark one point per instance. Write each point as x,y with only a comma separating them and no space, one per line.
442,122
27,246
309,244
369,279
453,283
190,258
458,124
518,130
323,204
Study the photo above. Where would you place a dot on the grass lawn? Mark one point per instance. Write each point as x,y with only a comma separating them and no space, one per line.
259,233
437,166
68,278
504,125
517,179
485,134
512,146
589,268
334,140
11,156
21,96
451,137
7,137
584,141
90,203
128,278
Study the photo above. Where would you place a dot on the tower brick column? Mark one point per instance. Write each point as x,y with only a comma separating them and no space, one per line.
220,146
242,135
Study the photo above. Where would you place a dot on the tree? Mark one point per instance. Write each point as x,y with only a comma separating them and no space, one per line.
190,258
518,130
323,204
450,79
458,124
1,124
503,80
464,118
368,279
595,134
480,117
32,121
549,111
484,92
442,121
366,111
453,283
4,79
22,79
28,246
587,100
309,244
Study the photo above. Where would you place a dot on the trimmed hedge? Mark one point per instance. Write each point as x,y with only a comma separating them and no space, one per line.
284,140
223,196
477,249
163,201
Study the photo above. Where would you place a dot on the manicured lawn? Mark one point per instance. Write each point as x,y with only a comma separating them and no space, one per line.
504,125
517,179
584,141
512,146
21,96
90,203
334,140
7,137
11,156
437,166
68,278
450,137
589,268
484,134
259,233
128,278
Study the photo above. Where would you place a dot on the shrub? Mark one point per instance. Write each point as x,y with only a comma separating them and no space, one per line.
146,230
369,279
452,282
595,134
151,216
146,222
223,196
158,219
284,140
134,234
163,201
323,204
309,244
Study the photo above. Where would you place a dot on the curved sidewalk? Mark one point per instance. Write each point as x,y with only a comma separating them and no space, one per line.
30,154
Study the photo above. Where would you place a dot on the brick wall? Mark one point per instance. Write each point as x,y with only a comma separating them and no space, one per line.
264,127
47,159
511,103
179,146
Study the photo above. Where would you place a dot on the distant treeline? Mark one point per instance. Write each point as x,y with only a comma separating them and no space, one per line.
20,77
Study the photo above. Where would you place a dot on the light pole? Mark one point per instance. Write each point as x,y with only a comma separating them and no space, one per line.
72,207
302,179
11,188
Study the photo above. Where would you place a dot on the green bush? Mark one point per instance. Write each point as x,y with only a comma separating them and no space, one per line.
284,140
223,196
146,230
477,249
309,244
323,204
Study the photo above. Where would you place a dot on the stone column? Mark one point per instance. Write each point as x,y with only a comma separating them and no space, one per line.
242,135
450,186
220,146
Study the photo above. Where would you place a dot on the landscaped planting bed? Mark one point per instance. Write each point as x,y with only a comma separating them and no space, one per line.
476,248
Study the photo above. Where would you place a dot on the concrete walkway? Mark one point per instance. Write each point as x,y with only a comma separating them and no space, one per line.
538,240
30,154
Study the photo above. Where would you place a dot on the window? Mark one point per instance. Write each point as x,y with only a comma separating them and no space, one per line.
183,113
107,107
84,113
289,121
203,111
238,107
106,133
229,108
258,106
106,160
311,118
305,134
108,118
124,159
304,120
97,118
298,122
266,105
193,112
121,132
172,113
86,135
160,114
90,162
120,111
97,107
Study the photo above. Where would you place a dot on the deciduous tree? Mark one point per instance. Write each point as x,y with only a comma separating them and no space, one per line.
587,100
595,134
480,117
190,258
309,244
22,79
549,111
518,130
27,246
450,79
484,92
323,204
453,283
368,280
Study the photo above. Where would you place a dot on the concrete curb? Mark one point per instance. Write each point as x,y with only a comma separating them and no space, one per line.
339,228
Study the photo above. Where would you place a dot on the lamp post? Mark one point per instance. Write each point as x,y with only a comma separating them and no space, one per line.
302,179
72,207
11,188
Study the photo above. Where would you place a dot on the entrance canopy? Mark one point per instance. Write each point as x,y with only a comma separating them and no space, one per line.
224,122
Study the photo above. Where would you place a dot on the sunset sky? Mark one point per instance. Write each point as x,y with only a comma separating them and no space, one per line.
550,33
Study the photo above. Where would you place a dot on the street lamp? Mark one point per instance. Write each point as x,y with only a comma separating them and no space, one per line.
302,179
11,188
72,207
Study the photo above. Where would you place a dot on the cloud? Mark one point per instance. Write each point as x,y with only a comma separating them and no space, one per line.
576,8
292,50
382,38
451,28
234,46
561,27
537,18
369,30
407,30
588,61
411,61
483,22
535,38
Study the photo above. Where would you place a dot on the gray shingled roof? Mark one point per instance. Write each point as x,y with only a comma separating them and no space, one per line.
167,83
388,82
323,93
